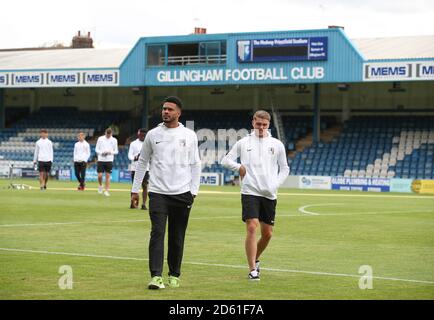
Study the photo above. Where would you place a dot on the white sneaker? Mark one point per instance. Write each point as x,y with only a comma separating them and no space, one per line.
100,190
106,193
254,275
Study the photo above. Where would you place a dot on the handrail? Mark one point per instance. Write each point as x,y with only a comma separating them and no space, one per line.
187,60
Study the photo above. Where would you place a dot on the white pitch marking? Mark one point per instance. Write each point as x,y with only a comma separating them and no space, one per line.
308,214
303,209
280,193
319,273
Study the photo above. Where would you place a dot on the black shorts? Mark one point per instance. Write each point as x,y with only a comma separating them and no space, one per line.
145,178
261,208
44,166
104,166
162,203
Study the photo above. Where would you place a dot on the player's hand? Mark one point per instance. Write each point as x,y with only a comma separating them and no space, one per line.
242,171
134,200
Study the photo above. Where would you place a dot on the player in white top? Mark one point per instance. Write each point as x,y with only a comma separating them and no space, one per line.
173,153
106,148
81,156
263,169
43,157
133,155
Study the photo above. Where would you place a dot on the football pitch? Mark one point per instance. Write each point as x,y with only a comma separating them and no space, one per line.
326,245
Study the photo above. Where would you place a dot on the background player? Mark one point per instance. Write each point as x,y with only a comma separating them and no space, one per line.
133,155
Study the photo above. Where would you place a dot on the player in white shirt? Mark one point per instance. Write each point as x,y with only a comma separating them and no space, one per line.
263,169
173,153
81,156
133,155
106,148
43,157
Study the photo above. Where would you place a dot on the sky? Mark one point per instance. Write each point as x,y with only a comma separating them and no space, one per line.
120,23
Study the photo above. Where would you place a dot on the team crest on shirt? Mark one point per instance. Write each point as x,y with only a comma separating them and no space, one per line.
271,150
182,142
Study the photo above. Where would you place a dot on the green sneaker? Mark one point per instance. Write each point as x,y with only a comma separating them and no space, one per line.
173,282
156,283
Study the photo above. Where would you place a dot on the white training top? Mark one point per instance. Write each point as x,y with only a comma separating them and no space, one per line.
81,151
175,166
43,150
109,146
134,151
265,162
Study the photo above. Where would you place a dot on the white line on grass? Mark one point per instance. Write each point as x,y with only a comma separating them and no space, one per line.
280,193
214,265
303,209
50,224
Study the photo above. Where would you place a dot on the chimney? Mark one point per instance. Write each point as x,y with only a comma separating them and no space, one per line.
199,30
80,41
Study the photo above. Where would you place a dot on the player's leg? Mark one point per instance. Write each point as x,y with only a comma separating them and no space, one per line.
41,175
178,221
47,169
250,243
99,170
266,234
250,212
77,173
133,205
107,183
145,190
83,175
266,218
108,172
158,217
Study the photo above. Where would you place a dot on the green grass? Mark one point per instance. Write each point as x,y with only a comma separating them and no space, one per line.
309,257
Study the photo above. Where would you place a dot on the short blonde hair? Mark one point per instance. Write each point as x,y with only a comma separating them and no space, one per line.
262,114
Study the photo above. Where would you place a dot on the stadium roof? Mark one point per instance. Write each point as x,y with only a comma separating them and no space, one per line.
62,59
413,47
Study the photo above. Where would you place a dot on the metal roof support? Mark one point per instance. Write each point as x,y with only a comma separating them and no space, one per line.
2,109
316,114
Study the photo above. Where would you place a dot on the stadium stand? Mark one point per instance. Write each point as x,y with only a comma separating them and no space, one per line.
17,143
377,147
368,146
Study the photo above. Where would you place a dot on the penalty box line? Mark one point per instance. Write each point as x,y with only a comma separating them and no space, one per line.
318,273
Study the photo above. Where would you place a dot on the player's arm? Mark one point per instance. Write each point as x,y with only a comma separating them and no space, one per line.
195,166
74,155
142,164
87,152
230,160
282,161
35,156
115,149
51,151
98,149
131,152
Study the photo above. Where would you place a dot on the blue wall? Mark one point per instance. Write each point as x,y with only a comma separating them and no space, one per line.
344,63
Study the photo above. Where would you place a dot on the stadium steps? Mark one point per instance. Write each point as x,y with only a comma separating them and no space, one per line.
329,134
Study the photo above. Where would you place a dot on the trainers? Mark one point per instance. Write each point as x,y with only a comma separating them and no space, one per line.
173,282
254,275
144,207
106,193
156,283
257,268
100,190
